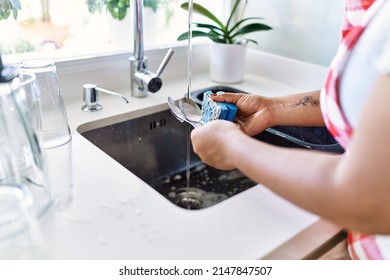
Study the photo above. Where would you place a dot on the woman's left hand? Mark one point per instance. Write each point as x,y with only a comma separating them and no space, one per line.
211,143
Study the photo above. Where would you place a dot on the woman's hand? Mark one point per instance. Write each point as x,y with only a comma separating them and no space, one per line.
211,143
254,113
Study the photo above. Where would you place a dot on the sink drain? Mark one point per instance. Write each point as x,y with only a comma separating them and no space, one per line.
194,198
209,186
189,199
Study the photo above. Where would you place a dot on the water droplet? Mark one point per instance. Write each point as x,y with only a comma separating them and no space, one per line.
172,194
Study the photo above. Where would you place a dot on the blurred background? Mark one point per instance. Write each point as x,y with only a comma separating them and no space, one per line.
304,30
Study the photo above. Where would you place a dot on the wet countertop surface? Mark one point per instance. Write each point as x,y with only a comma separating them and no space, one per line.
115,215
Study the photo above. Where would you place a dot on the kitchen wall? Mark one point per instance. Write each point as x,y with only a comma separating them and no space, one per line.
303,29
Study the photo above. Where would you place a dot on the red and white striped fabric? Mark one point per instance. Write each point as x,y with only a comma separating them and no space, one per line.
352,28
357,16
354,14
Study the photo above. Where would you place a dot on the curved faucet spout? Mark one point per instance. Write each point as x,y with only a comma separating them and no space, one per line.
142,80
138,29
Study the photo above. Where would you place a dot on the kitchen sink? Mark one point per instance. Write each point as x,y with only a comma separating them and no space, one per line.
155,146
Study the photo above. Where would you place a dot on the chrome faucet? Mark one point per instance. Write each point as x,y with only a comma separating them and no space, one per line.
142,80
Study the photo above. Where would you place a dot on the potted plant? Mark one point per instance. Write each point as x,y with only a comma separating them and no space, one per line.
228,48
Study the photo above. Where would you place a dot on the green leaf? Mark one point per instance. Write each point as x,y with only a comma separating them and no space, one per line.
253,27
117,8
242,21
95,5
251,40
224,33
203,11
5,9
4,14
196,33
16,4
15,13
232,13
210,27
153,4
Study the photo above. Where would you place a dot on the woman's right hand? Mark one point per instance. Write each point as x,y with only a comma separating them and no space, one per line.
254,113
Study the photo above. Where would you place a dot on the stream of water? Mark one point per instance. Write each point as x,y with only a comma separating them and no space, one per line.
189,77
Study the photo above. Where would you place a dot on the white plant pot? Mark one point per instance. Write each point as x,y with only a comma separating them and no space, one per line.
227,62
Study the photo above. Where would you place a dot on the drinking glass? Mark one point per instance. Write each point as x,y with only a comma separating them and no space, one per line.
27,98
20,236
21,158
56,138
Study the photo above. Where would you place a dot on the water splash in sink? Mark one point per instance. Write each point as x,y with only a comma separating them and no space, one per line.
209,186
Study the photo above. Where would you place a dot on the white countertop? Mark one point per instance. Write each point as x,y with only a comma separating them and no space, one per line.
116,215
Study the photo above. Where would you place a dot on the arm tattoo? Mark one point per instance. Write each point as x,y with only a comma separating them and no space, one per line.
305,101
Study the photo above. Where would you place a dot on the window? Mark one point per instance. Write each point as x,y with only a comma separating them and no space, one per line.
66,28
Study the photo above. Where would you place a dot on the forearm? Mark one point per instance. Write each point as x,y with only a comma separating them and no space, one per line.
351,189
315,181
301,109
303,177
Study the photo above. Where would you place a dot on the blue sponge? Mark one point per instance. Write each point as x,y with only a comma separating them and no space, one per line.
212,110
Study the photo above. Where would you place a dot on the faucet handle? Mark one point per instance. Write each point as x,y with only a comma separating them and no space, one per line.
153,81
145,80
164,62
